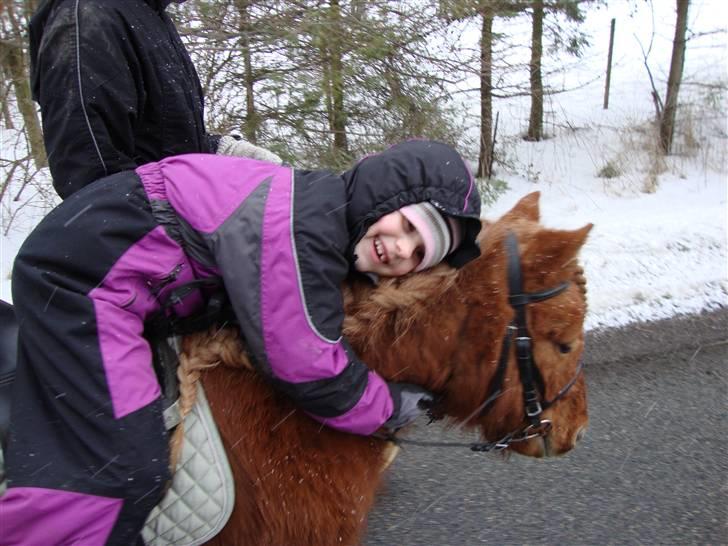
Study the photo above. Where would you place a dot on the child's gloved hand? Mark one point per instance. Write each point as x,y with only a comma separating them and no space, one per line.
236,146
413,402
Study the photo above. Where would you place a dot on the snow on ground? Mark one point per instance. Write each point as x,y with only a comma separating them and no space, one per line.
650,255
653,254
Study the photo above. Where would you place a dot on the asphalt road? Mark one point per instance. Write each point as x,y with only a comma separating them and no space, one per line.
653,468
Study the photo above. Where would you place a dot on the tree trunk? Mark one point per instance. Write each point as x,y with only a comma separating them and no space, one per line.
667,121
535,122
486,95
252,120
15,66
4,98
338,119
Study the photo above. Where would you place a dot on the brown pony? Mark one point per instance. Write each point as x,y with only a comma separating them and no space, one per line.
298,482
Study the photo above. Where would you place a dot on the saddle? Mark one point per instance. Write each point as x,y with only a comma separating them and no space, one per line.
200,498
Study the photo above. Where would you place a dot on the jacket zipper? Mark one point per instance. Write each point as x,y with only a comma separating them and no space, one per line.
155,289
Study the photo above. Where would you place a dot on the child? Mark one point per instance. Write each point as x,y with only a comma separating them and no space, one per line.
87,457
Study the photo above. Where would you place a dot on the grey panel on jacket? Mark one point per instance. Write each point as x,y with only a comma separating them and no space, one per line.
321,238
236,246
196,244
167,217
182,233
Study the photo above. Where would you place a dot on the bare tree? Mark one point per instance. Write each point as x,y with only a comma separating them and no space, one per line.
245,27
15,70
335,85
23,184
311,79
667,119
535,119
571,41
488,62
487,139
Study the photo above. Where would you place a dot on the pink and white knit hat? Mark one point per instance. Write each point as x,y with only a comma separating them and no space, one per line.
441,233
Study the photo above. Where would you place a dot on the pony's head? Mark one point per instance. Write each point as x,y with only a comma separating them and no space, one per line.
445,330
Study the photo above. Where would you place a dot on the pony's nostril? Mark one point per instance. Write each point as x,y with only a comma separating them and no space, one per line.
580,434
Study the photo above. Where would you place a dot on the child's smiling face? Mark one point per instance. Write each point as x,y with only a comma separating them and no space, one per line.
391,247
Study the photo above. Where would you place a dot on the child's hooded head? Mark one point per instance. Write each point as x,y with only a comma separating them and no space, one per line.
410,207
412,238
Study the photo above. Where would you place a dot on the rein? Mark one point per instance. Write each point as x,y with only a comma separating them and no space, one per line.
534,397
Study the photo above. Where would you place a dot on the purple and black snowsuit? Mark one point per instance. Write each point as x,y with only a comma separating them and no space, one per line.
87,455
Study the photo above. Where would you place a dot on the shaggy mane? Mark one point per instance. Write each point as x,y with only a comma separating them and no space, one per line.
395,304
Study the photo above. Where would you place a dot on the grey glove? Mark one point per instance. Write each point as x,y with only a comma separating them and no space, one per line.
410,401
234,145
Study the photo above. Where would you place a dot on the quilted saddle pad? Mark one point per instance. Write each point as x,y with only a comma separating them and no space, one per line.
199,502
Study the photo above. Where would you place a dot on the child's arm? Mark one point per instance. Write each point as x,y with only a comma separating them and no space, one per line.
284,279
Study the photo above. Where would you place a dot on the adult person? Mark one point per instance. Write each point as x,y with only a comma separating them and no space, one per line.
117,89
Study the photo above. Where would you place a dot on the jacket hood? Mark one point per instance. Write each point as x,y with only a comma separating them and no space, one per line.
408,173
37,26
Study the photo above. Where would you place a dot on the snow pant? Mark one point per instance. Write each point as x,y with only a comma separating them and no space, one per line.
87,457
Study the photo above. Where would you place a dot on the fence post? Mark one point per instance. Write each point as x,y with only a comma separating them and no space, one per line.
609,65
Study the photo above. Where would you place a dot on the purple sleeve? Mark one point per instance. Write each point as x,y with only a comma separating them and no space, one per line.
297,352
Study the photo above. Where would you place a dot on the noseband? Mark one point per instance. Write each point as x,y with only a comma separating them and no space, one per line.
534,390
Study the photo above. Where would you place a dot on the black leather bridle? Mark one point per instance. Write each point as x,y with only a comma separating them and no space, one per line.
534,390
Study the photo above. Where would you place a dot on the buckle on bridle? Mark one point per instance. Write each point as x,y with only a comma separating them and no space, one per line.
523,345
534,409
533,405
536,431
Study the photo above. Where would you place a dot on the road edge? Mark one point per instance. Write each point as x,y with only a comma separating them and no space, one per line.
642,339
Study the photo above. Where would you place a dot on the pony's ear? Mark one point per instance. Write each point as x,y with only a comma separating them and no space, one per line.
528,207
555,249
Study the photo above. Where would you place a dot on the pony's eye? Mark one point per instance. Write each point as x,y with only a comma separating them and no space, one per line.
564,348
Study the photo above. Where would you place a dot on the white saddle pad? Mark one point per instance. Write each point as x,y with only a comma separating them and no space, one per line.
201,499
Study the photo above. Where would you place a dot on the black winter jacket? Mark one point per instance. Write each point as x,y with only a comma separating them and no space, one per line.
116,88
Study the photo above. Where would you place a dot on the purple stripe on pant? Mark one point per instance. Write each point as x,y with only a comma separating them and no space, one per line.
91,522
87,456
